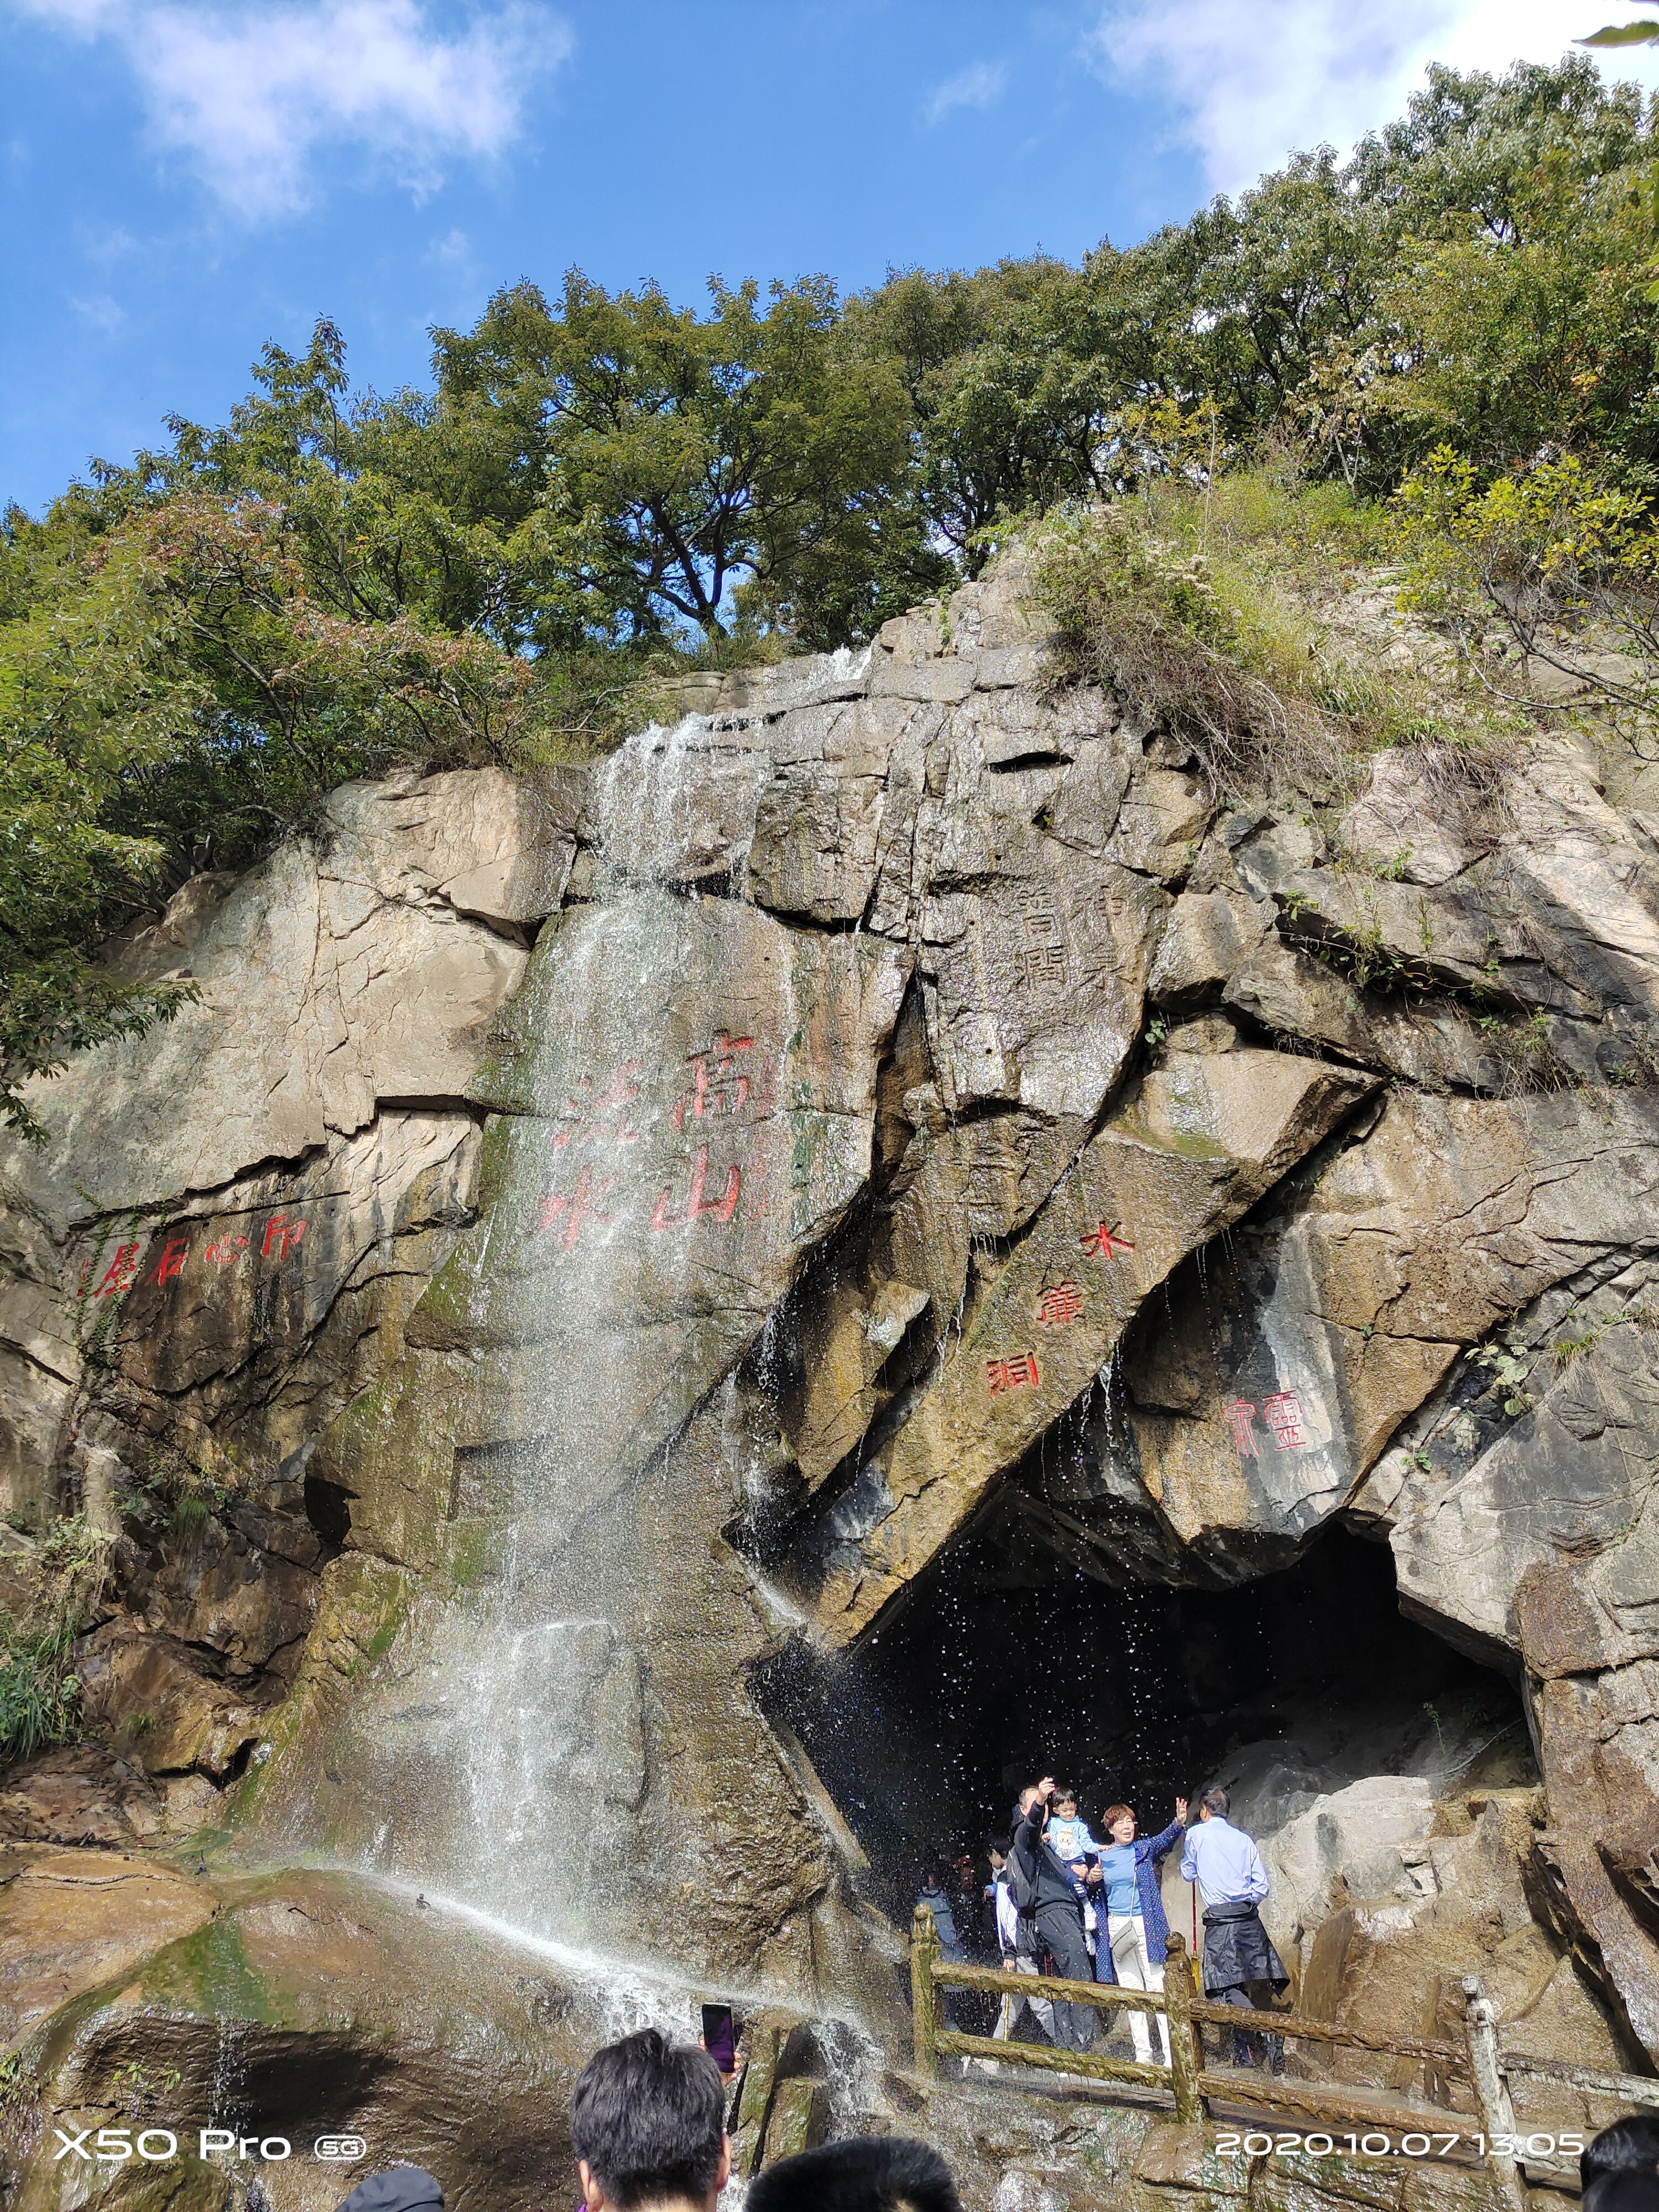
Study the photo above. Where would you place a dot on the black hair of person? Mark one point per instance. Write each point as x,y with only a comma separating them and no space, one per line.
648,2117
1628,2146
866,2173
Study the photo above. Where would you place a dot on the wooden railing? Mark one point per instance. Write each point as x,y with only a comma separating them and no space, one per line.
1478,2061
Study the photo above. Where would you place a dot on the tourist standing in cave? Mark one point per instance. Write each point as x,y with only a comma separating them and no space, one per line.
932,1895
1046,1891
1135,1939
1240,1967
1016,1944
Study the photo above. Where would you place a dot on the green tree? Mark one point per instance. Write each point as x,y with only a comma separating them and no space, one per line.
681,457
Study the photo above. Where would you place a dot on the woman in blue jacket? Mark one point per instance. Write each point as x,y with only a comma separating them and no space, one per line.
1134,1937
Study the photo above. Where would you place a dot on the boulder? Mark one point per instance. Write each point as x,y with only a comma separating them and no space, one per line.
311,2009
1399,823
73,1921
1338,1311
1207,939
80,1793
1365,1841
331,981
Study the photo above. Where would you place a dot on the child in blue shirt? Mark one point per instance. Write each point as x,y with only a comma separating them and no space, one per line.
1069,1839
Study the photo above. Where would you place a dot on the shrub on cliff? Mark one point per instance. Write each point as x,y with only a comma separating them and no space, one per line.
39,1692
1222,610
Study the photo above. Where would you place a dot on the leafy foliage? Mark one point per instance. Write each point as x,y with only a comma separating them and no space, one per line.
599,488
1207,605
40,1695
1563,564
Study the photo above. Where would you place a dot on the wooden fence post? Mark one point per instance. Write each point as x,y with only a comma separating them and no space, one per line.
924,2000
1185,2060
1490,2090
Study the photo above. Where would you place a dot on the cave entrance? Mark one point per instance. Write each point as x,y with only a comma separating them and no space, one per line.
1009,1661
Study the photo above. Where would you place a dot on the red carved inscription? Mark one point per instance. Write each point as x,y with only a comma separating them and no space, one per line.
1060,1304
574,1209
1106,1241
1240,1418
1283,1414
1019,1372
719,1085
699,1206
119,1277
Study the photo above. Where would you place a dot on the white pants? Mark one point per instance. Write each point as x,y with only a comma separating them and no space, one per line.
1126,1932
1042,2010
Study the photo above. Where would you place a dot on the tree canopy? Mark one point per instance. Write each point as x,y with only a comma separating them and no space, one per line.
194,646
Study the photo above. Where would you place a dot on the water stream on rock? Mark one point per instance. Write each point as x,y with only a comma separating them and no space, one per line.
673,1134
590,1268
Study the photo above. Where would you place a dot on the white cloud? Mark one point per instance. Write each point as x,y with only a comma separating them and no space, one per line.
100,312
980,85
251,93
1247,84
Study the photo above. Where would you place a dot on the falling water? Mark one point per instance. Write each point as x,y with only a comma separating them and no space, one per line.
675,1132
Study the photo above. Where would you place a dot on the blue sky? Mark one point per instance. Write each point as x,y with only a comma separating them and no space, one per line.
185,179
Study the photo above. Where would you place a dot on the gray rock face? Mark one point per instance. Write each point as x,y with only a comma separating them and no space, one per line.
596,1314
215,1249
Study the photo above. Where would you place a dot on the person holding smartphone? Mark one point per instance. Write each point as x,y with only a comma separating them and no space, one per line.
720,2039
647,2121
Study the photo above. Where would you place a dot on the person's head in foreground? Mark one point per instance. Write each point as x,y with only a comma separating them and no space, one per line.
647,2118
1619,2169
866,2173
404,2189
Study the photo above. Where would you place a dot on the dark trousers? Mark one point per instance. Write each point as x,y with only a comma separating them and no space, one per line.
1249,2046
1060,1933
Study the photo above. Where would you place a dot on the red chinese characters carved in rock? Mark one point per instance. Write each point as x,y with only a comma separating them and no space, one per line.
571,1211
1060,1305
1283,1414
699,1206
1240,1418
175,1253
721,1089
603,1114
1019,1372
118,1279
1107,1240
719,1084
282,1236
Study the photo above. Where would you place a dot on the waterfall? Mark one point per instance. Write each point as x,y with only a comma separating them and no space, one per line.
552,1733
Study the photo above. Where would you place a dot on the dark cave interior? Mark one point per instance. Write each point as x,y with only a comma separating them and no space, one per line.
1007,1662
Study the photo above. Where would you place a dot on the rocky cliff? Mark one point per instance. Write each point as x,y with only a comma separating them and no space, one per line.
603,1253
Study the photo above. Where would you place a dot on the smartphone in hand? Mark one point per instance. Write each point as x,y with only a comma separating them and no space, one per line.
720,2036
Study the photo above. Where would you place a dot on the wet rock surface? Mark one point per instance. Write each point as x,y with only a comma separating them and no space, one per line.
285,2011
607,1232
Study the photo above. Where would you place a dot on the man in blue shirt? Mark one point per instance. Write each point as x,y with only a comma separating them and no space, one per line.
1240,1967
